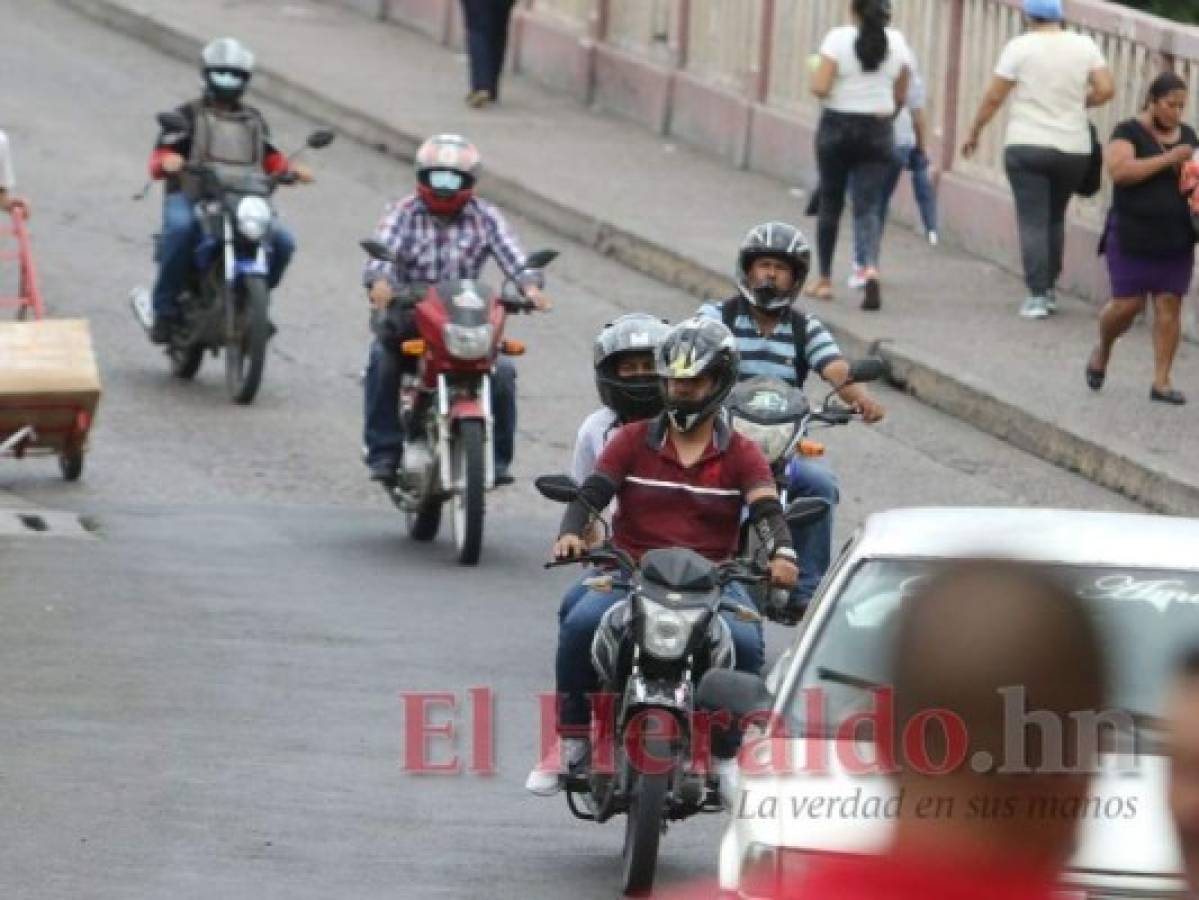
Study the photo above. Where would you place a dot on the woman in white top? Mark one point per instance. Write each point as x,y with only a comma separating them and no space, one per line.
862,79
1055,75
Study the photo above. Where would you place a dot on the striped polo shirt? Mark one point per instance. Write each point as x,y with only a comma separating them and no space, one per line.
774,356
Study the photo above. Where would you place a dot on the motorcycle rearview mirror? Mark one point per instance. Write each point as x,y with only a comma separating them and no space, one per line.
172,121
805,511
377,250
559,488
320,139
869,369
539,259
739,693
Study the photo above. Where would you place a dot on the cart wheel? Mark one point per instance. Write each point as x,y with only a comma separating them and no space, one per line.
70,463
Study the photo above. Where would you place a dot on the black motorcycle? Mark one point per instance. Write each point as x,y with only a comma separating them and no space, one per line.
226,303
650,651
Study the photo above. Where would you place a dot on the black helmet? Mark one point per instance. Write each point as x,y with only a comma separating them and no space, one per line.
695,347
780,241
228,65
630,398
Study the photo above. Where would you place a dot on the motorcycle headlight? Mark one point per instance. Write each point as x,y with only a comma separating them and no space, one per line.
253,218
667,631
772,440
468,341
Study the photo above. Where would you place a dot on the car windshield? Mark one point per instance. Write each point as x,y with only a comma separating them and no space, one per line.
1146,619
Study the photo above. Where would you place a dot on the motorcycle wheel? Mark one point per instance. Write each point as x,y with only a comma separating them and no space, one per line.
467,498
643,825
245,346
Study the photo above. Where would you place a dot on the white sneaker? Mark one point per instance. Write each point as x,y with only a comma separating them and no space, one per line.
933,239
726,774
857,279
1034,308
546,778
1051,302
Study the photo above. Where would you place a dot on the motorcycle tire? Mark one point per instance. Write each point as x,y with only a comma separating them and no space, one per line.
643,825
246,339
425,521
467,498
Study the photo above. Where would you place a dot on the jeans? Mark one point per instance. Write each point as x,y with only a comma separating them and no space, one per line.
852,151
907,158
1043,181
384,435
177,246
487,41
577,626
814,542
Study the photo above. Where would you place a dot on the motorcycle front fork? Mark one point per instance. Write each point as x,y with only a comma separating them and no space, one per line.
416,406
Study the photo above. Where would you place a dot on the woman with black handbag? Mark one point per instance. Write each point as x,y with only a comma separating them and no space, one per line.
1150,236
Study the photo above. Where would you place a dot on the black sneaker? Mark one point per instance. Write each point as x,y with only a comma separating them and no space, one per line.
161,330
503,476
384,472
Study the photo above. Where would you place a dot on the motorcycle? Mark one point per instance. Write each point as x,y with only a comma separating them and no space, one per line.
650,650
777,417
225,304
445,405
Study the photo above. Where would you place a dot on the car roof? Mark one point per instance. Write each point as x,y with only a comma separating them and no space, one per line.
1072,537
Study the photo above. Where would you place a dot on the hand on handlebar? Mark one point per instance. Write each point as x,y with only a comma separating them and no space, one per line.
540,300
783,572
303,174
569,546
172,163
872,411
382,295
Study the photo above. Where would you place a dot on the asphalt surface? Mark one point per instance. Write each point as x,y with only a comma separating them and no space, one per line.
202,687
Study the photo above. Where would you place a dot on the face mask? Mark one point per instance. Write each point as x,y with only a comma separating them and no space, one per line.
766,292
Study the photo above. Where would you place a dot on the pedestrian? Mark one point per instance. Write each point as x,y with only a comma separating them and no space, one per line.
964,640
862,79
911,155
8,180
1182,743
486,42
1149,238
1056,75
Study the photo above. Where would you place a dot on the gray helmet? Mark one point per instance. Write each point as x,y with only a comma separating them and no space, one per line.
779,241
697,346
227,66
630,398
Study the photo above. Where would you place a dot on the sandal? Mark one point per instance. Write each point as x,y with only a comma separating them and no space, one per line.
821,290
1095,377
1170,395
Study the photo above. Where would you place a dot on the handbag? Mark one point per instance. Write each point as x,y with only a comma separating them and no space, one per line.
1093,179
1188,184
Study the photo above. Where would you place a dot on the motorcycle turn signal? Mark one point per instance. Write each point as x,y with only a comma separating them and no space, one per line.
414,347
805,447
511,347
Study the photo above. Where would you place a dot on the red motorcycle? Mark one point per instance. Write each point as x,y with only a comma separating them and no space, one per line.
445,405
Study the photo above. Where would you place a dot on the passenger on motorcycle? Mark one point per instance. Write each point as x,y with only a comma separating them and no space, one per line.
441,232
224,131
681,480
776,339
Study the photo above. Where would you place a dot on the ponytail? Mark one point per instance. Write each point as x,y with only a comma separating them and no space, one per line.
871,45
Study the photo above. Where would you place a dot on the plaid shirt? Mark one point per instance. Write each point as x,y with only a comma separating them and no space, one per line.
432,250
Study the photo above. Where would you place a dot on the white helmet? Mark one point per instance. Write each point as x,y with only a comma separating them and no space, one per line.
227,65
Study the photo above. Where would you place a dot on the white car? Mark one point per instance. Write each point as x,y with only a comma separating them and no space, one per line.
1141,573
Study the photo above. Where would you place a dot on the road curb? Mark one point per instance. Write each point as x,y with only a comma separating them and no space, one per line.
921,378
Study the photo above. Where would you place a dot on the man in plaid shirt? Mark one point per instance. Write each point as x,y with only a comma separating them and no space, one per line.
441,232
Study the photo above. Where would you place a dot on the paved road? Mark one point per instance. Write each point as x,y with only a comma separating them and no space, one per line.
201,692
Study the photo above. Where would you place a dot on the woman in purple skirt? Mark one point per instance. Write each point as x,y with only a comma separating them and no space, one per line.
1149,239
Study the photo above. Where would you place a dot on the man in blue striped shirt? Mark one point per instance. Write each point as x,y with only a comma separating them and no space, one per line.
776,340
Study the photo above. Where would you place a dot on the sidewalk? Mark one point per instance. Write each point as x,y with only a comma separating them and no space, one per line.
949,319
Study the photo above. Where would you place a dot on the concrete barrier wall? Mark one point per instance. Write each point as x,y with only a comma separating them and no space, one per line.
731,76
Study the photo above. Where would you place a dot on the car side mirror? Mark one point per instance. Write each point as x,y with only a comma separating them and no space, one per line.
320,139
805,511
539,259
559,488
739,693
869,369
377,250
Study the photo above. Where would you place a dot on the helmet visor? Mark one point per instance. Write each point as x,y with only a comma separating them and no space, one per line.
227,79
446,180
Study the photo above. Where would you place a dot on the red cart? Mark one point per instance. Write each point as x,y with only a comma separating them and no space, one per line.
49,382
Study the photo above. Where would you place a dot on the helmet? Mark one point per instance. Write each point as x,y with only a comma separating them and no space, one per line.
780,241
227,66
447,166
697,346
630,398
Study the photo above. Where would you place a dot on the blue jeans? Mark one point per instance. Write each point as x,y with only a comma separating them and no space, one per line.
814,542
579,617
177,246
908,158
383,434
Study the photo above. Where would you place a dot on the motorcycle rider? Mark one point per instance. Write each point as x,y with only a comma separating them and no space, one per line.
441,232
225,131
776,339
681,480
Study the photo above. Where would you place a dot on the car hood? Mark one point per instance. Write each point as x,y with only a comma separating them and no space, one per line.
1126,825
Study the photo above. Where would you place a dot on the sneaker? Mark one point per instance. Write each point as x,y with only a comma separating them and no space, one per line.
872,295
503,476
724,771
160,331
1034,308
933,240
545,780
1051,302
857,279
384,472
